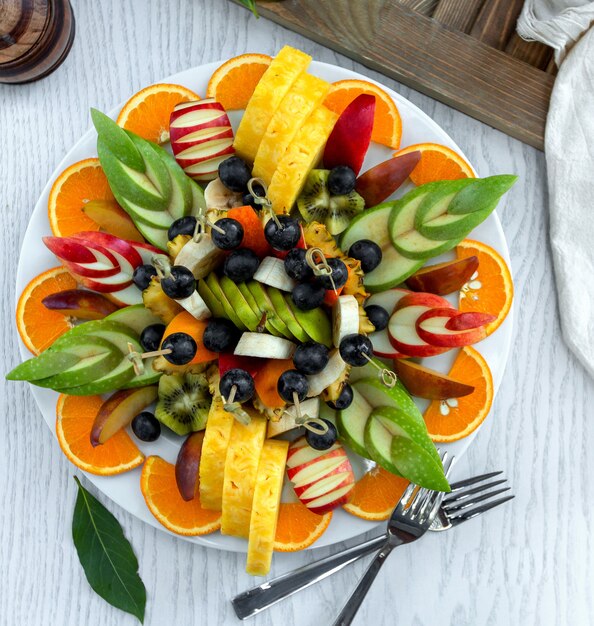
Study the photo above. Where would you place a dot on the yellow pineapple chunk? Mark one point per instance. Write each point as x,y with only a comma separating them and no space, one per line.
214,450
305,95
267,495
300,157
239,480
276,81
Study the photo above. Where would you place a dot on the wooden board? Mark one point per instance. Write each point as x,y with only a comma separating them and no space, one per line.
462,52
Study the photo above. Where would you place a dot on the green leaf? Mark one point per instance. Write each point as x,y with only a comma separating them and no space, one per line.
250,4
107,557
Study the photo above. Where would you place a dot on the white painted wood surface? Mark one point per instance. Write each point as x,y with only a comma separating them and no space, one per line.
529,563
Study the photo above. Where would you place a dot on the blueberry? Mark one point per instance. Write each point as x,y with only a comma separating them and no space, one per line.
339,275
291,382
142,276
378,316
235,174
368,252
344,399
183,348
231,237
241,265
151,336
240,379
179,284
308,296
322,442
310,357
354,349
146,426
182,226
296,265
341,180
285,237
220,335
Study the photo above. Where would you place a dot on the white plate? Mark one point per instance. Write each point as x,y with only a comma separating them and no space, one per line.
124,489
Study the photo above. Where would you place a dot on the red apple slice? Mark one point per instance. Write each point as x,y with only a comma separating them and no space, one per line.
124,253
443,278
429,300
146,251
431,327
330,501
387,299
187,465
325,484
423,382
382,346
92,262
304,474
469,320
403,333
381,181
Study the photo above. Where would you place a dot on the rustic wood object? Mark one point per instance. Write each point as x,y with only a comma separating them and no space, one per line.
463,52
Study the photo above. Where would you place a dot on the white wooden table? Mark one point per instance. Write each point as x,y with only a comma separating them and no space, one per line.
530,562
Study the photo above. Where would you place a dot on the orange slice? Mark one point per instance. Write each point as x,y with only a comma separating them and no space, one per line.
160,491
39,327
147,112
387,124
298,528
450,420
74,187
74,419
437,163
233,84
491,289
375,495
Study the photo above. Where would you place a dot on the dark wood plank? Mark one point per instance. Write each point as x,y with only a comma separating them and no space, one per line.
532,52
425,7
458,14
415,50
496,22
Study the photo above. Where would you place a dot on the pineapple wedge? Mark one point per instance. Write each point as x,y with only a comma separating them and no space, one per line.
301,156
239,480
276,81
265,508
214,451
305,95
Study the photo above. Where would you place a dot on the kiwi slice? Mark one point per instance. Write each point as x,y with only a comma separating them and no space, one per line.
184,402
317,204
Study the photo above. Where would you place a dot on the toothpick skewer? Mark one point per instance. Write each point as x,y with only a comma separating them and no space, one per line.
162,265
235,408
137,358
315,424
321,267
263,200
387,376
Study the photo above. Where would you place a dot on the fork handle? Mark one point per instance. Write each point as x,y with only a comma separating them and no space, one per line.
272,591
349,610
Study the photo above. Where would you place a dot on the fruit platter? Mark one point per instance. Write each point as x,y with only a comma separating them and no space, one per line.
260,298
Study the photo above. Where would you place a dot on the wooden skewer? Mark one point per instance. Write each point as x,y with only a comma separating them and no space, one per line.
235,408
387,376
162,265
137,358
321,268
315,424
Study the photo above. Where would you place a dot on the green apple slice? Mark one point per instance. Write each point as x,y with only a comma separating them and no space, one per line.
282,318
351,422
481,194
315,323
212,302
181,198
213,282
136,317
259,311
394,268
116,379
44,365
417,465
148,377
198,201
119,142
155,169
239,303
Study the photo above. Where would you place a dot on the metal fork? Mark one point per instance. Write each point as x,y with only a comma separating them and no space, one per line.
464,492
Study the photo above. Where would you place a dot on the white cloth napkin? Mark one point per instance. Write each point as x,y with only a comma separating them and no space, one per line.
568,27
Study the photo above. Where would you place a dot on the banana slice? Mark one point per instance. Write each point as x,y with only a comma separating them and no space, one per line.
345,318
310,407
217,196
200,257
272,272
330,374
196,306
264,346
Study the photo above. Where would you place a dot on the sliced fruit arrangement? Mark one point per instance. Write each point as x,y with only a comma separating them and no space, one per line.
223,295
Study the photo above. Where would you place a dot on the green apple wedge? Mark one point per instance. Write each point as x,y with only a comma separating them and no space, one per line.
272,324
350,423
136,317
386,424
46,364
239,303
315,322
213,282
394,268
212,302
283,312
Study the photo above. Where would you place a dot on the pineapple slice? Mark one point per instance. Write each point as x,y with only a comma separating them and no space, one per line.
267,495
300,157
239,480
276,81
214,450
305,95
